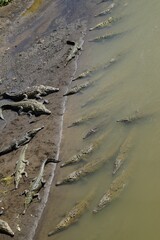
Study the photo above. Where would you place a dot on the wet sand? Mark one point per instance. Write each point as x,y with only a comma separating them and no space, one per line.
34,51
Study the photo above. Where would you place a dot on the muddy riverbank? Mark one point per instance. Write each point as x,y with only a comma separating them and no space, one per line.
34,51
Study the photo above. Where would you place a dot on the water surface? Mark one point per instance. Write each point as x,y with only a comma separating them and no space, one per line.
131,84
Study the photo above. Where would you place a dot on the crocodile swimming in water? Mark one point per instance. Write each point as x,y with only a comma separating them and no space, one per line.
20,167
5,228
133,118
104,24
91,132
30,92
77,89
113,192
86,118
99,95
123,152
74,214
108,36
79,157
29,106
35,186
87,169
107,11
86,73
21,141
82,155
96,128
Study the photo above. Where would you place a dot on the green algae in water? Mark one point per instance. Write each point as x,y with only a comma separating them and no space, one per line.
4,2
7,180
34,7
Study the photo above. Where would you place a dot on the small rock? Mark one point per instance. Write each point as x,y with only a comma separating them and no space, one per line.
18,228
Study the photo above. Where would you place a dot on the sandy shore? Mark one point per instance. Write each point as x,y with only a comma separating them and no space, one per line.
33,54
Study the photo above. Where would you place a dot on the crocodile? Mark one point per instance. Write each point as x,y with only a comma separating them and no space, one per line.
107,11
113,192
89,72
99,95
77,89
87,169
20,167
30,92
96,129
133,118
82,155
74,214
123,152
104,24
35,186
21,141
91,132
107,36
29,106
79,157
5,228
74,50
85,118
85,74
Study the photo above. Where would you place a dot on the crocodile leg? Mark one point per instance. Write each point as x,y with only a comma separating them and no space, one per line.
38,96
25,174
26,162
20,111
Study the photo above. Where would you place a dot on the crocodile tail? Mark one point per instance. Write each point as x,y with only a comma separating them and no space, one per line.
51,160
53,232
1,114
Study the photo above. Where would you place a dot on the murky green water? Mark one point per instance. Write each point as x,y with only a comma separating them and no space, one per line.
131,84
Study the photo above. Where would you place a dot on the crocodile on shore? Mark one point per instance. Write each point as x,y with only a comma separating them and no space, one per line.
20,167
21,141
5,228
74,214
107,11
123,152
104,24
30,92
113,192
30,106
87,169
74,50
77,89
35,186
